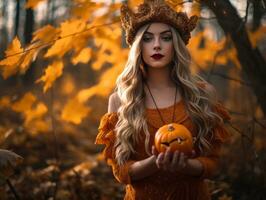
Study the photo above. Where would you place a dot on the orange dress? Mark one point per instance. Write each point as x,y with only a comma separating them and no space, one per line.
163,185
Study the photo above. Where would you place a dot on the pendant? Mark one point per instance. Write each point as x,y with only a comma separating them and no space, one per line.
174,136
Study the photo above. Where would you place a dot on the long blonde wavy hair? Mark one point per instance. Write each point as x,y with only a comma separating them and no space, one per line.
130,90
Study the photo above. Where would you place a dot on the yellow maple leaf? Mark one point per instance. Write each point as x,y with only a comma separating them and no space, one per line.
33,119
33,3
52,72
107,80
45,34
29,56
74,111
36,112
13,54
25,103
69,30
36,126
32,112
18,59
5,101
82,57
67,86
256,36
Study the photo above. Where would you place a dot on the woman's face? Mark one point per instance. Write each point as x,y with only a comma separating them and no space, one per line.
157,45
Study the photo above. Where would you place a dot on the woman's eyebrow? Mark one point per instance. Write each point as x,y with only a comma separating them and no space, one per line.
166,31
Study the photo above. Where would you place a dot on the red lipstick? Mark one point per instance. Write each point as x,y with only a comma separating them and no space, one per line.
157,56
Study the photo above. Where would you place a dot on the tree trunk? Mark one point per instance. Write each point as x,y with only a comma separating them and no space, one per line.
17,18
252,62
28,78
257,14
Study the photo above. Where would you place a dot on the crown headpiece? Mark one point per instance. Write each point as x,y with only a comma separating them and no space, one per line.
155,11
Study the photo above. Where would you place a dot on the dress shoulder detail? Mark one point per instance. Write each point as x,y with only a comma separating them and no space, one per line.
106,127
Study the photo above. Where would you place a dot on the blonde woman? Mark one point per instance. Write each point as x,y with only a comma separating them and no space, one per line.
157,88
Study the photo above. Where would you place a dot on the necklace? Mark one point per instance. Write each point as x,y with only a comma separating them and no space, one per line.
173,135
157,106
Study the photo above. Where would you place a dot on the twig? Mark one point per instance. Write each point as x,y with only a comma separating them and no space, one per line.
232,79
216,56
13,190
240,132
59,38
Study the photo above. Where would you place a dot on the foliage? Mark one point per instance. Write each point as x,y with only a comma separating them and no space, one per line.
40,125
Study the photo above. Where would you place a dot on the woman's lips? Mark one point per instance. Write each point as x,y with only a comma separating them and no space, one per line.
157,56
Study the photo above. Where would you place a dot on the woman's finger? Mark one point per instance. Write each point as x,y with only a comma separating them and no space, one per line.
193,154
159,160
154,151
182,161
167,159
175,161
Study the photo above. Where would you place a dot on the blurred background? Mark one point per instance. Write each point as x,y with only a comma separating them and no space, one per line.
59,60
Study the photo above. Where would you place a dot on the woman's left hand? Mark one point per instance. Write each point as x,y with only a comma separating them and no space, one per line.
172,161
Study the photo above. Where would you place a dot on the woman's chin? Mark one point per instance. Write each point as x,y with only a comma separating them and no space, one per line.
158,66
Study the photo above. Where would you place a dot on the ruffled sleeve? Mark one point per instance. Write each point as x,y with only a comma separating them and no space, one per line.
106,135
221,135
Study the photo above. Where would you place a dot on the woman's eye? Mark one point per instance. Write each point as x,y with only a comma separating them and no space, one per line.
146,39
167,38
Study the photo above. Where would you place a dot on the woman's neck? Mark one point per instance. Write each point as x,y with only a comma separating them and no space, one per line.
159,78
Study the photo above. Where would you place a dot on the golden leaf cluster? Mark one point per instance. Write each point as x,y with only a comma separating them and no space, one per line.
32,110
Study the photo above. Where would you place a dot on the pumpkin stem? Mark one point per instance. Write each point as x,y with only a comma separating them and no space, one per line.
170,127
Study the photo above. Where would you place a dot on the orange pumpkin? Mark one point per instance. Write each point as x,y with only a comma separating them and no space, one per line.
175,136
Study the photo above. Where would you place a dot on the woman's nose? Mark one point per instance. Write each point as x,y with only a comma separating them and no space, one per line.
157,44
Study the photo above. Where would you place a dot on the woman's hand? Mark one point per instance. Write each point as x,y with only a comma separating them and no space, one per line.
171,161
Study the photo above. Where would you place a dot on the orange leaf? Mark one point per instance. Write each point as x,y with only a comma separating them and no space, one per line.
14,52
82,57
52,72
46,34
32,114
36,112
36,126
68,32
25,103
257,36
5,101
29,56
74,111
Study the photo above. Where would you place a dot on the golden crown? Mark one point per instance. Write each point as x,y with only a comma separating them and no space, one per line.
155,11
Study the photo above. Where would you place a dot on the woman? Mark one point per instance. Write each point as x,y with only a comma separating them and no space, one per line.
157,88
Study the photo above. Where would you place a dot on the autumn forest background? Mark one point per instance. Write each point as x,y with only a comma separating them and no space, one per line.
59,60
